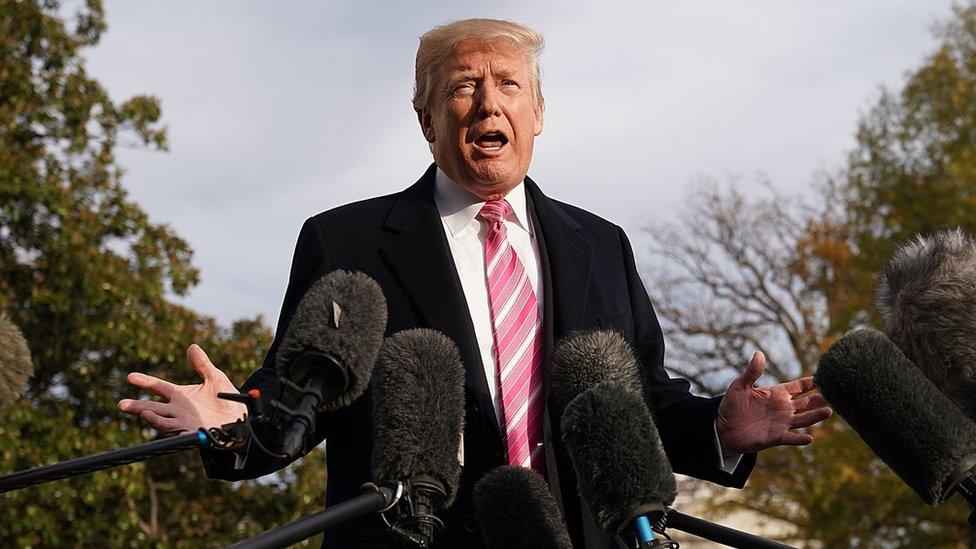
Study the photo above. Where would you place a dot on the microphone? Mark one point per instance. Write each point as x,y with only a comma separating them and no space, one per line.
927,296
515,509
327,354
926,440
418,407
586,358
418,416
16,365
623,474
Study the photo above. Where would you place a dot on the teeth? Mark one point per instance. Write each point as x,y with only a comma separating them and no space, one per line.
492,141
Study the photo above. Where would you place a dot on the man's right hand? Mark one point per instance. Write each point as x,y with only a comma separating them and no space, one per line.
185,408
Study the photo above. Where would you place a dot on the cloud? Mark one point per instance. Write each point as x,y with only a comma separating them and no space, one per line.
279,111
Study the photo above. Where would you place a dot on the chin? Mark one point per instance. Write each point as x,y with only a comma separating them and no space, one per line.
497,178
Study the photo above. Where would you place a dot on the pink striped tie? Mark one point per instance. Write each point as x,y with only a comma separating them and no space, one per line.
518,342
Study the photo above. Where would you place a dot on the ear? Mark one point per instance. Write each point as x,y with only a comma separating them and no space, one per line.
538,120
426,125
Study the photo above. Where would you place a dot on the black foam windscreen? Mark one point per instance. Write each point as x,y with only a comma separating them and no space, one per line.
515,509
901,415
16,365
584,359
927,296
342,315
620,463
418,409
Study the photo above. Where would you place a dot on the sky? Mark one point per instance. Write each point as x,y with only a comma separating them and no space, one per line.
279,110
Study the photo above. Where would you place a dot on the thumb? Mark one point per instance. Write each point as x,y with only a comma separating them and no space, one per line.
753,371
200,362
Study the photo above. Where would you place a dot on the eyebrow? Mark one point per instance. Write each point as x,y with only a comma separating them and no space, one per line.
465,73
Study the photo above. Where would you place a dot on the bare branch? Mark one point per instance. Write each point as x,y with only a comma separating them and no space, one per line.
728,280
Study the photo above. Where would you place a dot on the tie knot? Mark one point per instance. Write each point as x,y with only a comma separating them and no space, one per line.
494,211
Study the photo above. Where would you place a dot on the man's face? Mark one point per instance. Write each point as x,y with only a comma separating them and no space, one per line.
482,118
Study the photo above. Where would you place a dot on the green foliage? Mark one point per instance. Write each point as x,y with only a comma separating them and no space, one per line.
914,167
88,277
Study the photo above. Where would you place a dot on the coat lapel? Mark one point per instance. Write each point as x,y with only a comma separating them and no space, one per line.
420,257
569,258
566,259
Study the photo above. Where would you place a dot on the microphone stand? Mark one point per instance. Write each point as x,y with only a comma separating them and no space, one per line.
718,533
226,436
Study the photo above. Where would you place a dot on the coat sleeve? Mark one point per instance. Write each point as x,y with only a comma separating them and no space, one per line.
686,422
308,264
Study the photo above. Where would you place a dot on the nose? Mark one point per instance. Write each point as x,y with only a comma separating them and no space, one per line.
489,106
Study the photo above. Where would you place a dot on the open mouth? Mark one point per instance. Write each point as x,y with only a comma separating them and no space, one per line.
491,141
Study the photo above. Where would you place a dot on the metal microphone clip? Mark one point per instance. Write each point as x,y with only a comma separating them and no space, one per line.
415,523
964,484
234,436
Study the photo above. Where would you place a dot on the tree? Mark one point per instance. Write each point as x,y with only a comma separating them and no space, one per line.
731,282
913,169
765,272
90,279
749,274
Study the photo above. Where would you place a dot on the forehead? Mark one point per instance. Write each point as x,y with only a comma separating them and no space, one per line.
484,56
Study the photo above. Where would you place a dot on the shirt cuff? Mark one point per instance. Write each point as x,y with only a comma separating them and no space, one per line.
726,464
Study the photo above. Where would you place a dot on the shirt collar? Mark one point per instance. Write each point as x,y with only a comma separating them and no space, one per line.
459,208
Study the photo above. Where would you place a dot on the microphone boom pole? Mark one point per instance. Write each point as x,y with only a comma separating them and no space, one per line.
223,437
106,460
718,533
376,499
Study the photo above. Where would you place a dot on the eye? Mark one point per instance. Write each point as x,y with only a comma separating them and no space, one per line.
510,83
464,88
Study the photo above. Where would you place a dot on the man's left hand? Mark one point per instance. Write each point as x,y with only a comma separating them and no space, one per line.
753,418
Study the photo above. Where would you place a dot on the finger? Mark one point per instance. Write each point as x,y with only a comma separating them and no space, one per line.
753,371
152,384
799,386
136,407
160,423
809,418
809,402
200,362
790,438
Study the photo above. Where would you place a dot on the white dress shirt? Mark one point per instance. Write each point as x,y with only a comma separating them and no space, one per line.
466,236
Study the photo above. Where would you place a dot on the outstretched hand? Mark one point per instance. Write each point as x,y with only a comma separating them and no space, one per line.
753,418
185,408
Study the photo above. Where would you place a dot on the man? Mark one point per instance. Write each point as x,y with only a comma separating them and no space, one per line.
476,250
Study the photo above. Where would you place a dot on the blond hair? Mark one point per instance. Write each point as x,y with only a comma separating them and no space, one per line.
440,42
